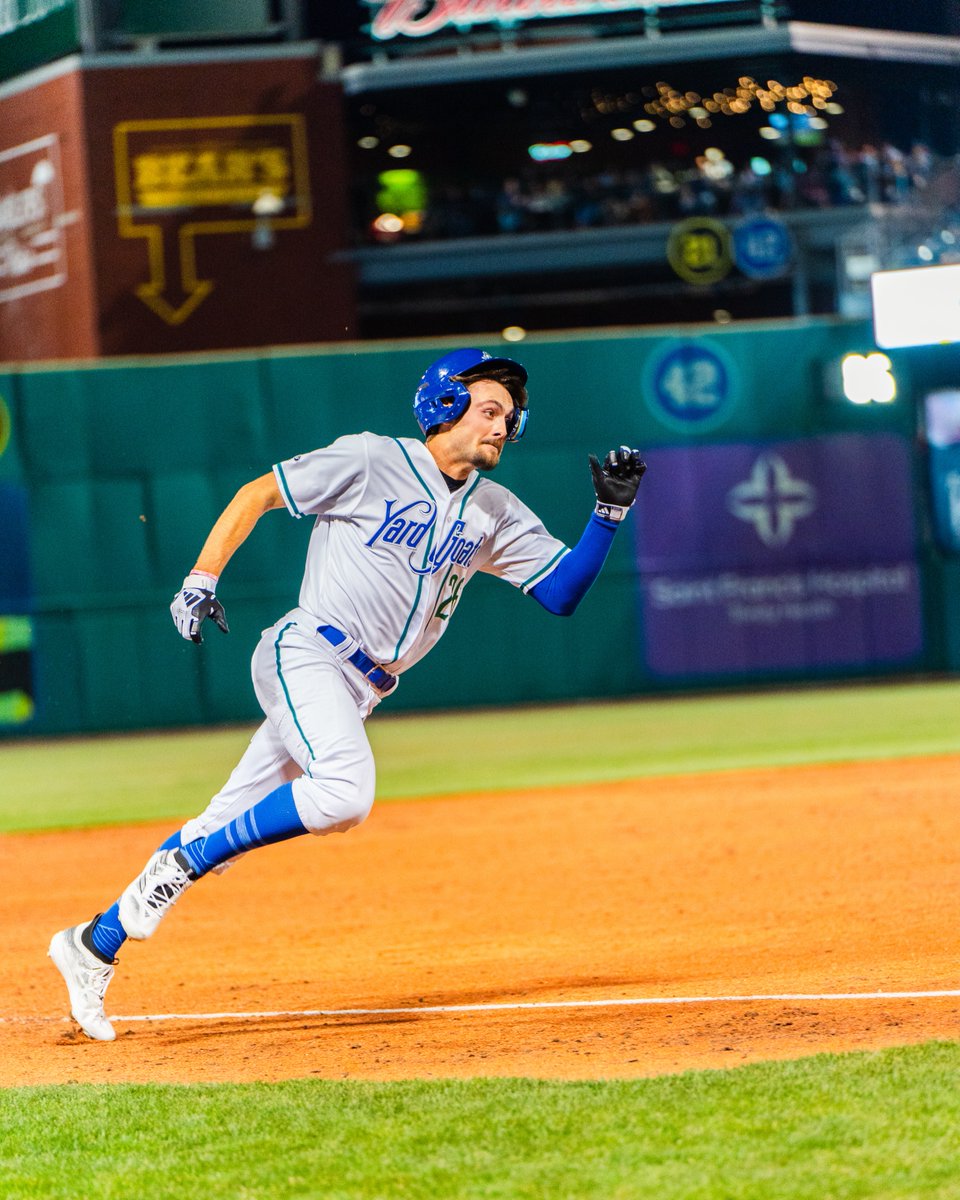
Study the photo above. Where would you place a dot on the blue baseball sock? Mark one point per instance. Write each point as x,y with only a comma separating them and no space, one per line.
272,819
106,934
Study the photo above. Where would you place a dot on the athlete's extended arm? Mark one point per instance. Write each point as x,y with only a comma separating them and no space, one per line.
197,599
236,523
615,482
571,578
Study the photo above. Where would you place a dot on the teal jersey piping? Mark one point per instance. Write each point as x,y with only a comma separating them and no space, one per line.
470,491
545,570
420,478
426,553
286,490
283,684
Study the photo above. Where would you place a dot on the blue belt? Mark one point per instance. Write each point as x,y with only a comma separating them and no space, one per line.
382,680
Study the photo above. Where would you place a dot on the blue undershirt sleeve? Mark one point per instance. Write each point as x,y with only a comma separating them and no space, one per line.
570,580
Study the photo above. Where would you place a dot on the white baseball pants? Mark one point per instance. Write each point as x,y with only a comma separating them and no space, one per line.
315,706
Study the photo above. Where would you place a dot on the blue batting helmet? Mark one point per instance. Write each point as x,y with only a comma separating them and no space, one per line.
442,396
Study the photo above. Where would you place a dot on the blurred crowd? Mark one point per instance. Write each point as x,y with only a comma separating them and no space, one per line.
555,196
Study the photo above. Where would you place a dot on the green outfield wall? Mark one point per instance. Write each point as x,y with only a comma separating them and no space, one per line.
115,472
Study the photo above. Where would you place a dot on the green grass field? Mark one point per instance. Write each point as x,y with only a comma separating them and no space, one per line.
883,1125
143,777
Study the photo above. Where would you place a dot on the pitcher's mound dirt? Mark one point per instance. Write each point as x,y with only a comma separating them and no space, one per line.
809,881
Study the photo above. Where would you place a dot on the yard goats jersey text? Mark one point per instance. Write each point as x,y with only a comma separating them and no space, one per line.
392,548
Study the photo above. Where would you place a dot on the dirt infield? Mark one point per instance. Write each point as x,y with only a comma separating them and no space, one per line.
801,881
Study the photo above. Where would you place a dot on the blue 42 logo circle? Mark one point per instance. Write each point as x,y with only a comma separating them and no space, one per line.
690,384
762,247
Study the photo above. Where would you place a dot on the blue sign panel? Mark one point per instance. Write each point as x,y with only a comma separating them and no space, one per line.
779,556
691,385
762,247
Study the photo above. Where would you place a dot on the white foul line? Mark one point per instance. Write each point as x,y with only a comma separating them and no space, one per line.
539,1005
515,1006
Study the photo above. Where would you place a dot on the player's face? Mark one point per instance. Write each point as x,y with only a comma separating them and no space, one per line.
477,439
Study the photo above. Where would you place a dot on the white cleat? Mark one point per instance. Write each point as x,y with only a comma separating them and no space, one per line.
86,977
145,901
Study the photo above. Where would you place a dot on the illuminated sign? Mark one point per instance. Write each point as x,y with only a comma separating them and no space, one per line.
16,14
868,379
420,18
181,178
34,32
32,251
762,247
549,151
916,306
699,250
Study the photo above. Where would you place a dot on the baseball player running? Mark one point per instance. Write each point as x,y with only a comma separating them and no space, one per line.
399,528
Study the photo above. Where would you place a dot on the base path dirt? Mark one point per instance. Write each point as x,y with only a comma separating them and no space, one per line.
507,934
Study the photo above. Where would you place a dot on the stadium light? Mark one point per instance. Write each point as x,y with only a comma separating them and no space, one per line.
868,379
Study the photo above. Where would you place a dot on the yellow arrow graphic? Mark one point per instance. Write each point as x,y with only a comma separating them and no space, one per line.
155,294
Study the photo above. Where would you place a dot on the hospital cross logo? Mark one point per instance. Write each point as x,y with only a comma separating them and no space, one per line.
772,500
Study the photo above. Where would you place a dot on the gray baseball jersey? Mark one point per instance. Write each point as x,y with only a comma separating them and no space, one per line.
392,548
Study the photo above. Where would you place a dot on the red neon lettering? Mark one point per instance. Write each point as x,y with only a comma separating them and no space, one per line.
418,18
406,17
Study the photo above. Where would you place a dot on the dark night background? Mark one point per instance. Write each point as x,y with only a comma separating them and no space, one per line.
926,16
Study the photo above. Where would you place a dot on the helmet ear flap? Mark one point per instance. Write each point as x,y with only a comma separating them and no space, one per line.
451,404
518,423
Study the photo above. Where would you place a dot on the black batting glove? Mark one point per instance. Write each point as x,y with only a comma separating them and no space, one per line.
194,603
616,481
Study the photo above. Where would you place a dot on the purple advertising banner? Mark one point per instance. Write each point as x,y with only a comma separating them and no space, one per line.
787,555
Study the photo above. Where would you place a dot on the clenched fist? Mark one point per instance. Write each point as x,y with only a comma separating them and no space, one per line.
196,601
616,481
